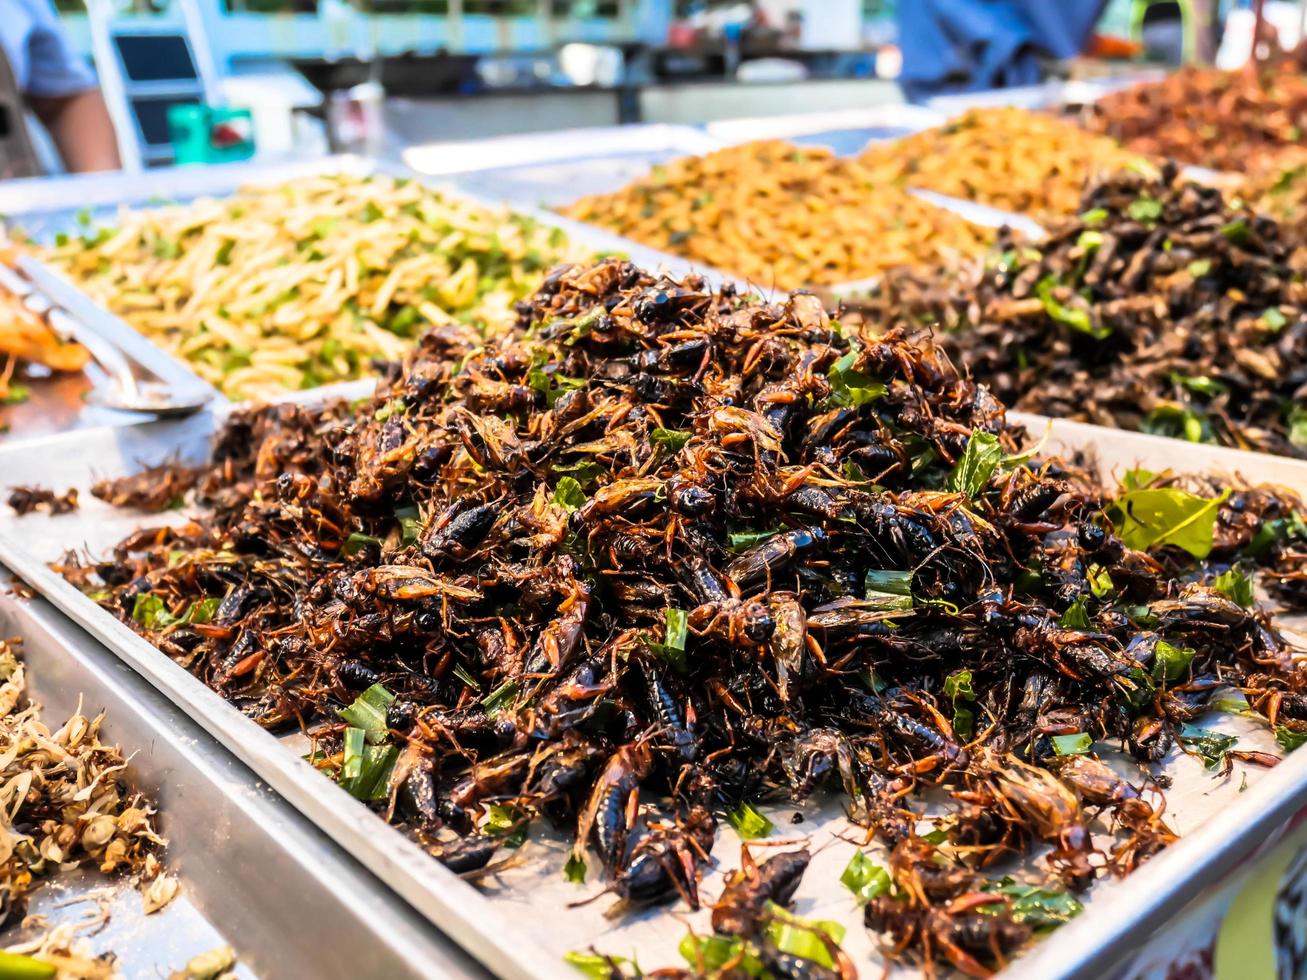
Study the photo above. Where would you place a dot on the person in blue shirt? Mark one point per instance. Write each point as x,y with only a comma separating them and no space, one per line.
968,45
40,70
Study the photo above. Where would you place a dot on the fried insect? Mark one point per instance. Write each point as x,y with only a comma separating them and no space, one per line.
724,553
1160,308
25,499
153,489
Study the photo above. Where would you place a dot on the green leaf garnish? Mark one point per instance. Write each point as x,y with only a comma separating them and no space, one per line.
1288,738
670,439
1039,908
738,541
574,869
1159,516
365,769
957,687
368,712
1144,209
804,937
500,697
1212,746
506,822
569,495
1076,617
357,541
1170,662
865,878
976,465
1236,585
1074,317
598,967
409,524
748,822
1077,743
850,387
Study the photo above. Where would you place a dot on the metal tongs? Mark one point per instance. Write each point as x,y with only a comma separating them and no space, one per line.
126,392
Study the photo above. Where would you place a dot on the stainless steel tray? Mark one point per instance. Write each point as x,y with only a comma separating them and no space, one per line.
1049,95
46,207
254,873
535,173
520,927
547,170
845,131
41,207
65,400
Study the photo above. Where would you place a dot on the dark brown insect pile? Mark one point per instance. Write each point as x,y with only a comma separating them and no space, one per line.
669,552
1226,120
1160,308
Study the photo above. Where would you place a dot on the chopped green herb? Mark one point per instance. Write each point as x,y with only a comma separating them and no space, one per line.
1234,704
1074,317
1170,663
395,407
1200,384
1236,585
937,836
1094,216
368,712
150,611
957,687
409,524
1075,617
365,769
850,387
1177,422
977,464
16,394
1039,908
583,471
865,878
1100,582
598,967
1298,426
1237,232
708,954
1145,210
461,673
569,495
1200,268
678,629
1078,743
506,822
1138,689
552,384
672,649
1274,320
574,869
16,966
500,697
357,541
889,589
738,541
1288,738
1161,516
748,822
808,939
670,439
1212,746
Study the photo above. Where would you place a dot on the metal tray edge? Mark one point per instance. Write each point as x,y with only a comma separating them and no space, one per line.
450,903
321,863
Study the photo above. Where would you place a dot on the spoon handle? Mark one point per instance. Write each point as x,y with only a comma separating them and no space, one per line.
68,327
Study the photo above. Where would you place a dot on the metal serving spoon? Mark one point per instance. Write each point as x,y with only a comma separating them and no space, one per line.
126,392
